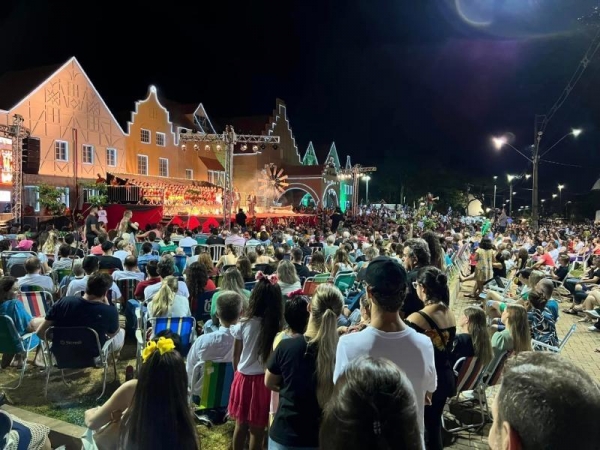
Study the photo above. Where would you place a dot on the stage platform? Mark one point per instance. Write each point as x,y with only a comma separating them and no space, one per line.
153,214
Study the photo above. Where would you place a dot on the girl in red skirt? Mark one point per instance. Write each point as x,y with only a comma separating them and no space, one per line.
254,335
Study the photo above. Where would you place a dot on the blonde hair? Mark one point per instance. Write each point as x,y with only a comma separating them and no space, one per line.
480,336
326,306
518,327
163,299
287,272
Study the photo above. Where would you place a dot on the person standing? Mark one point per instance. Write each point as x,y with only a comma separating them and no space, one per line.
91,226
240,219
336,218
389,337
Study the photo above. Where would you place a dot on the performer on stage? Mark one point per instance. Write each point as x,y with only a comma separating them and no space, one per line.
430,199
251,204
237,198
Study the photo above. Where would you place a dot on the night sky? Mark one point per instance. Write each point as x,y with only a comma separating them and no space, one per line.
390,81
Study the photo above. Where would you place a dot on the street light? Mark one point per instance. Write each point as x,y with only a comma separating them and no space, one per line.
567,209
367,178
560,188
500,142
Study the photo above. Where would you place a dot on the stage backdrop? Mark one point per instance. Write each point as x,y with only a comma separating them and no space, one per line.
142,214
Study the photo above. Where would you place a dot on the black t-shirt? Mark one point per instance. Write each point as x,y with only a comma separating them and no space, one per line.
336,218
92,219
561,272
296,422
109,262
463,347
76,312
302,271
412,302
214,240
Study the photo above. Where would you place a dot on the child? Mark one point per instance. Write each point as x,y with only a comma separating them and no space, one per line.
254,336
216,346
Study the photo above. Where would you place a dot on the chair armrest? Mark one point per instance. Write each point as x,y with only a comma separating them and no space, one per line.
539,344
458,362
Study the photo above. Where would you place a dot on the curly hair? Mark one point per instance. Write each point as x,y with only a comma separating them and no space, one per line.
196,278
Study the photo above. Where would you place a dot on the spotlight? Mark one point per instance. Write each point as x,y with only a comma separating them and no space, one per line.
183,130
196,148
244,147
275,146
207,148
263,146
183,147
255,148
218,148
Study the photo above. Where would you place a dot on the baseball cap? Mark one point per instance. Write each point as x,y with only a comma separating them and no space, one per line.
385,275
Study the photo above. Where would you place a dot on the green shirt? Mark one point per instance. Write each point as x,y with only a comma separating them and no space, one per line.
213,301
502,342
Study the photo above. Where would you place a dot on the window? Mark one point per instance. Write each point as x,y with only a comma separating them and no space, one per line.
88,154
348,189
216,177
160,139
61,150
189,174
31,197
163,167
142,165
145,136
64,197
111,157
87,193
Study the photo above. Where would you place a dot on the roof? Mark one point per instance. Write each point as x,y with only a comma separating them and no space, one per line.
15,86
212,163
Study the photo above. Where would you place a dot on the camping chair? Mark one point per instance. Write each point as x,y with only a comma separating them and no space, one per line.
214,396
13,343
61,273
311,284
183,326
541,346
344,281
127,287
180,263
77,348
469,378
36,303
201,307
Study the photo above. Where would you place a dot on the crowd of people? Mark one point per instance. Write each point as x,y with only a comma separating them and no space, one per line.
348,364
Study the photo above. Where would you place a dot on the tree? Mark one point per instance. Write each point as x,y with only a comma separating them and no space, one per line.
50,200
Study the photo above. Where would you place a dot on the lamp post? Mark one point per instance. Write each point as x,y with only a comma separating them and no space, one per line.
494,203
367,178
499,142
560,188
510,193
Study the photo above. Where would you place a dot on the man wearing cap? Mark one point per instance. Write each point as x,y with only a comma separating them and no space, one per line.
388,336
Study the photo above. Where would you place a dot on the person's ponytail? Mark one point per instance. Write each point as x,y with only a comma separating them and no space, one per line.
163,299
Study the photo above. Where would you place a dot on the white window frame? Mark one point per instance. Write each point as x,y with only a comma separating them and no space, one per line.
164,139
57,147
189,174
36,206
65,196
145,158
142,131
110,150
90,148
162,161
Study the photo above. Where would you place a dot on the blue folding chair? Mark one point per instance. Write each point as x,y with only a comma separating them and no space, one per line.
183,326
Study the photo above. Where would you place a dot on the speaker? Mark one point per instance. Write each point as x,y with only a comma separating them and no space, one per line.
31,155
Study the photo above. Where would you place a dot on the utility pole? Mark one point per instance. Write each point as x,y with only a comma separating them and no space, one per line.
230,139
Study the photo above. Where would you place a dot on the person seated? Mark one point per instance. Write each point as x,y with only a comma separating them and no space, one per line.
146,255
33,267
131,270
12,307
216,346
562,270
541,319
229,258
188,240
107,261
90,267
142,403
288,280
124,248
64,262
93,310
473,338
16,433
544,259
167,302
98,241
516,335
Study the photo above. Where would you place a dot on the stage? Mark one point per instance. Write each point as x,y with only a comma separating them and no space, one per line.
153,214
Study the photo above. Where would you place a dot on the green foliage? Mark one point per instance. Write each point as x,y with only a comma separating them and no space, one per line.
49,198
101,199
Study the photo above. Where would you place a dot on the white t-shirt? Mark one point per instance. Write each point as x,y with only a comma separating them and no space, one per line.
179,308
187,242
247,331
216,347
153,289
36,279
78,285
410,351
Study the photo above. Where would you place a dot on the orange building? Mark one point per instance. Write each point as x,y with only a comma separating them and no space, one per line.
152,142
79,136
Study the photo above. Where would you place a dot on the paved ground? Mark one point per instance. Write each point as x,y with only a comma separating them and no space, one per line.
579,349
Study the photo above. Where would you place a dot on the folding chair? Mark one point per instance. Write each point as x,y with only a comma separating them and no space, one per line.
77,348
239,250
216,251
12,342
180,262
61,273
344,281
469,378
187,251
214,396
36,303
541,346
127,287
183,326
201,307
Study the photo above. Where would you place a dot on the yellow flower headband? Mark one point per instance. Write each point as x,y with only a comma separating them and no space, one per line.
164,345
